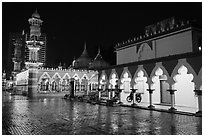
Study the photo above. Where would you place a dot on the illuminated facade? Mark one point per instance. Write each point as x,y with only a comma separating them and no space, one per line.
37,80
165,38
57,80
41,51
164,66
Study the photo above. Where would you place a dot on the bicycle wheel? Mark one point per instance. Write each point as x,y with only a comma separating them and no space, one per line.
138,99
128,99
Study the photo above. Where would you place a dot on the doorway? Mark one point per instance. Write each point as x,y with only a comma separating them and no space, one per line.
165,95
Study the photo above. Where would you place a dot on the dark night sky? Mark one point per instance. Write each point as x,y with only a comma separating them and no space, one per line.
68,25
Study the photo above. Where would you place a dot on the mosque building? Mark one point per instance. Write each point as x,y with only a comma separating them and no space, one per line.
36,79
164,66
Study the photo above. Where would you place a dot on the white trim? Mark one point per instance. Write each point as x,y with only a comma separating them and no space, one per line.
155,38
56,74
43,76
66,74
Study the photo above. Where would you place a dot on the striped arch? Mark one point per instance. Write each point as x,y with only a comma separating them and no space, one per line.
125,69
66,74
93,76
56,74
140,68
85,76
43,75
188,66
76,76
165,72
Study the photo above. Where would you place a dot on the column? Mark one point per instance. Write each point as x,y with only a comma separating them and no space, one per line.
72,83
113,93
134,97
199,94
87,88
90,86
109,94
171,91
80,86
50,86
60,87
120,96
32,83
150,98
99,94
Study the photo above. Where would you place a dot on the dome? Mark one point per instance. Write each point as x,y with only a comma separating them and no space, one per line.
35,14
98,62
83,61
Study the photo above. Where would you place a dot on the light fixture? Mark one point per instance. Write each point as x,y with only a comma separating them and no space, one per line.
199,48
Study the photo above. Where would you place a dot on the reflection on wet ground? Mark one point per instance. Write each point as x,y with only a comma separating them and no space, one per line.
53,115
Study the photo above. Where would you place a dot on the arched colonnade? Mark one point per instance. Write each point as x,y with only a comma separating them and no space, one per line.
160,77
56,83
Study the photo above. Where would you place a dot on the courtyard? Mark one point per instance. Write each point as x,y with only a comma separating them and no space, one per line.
56,116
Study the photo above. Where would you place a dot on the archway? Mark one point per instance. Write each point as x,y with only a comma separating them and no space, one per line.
125,80
43,82
160,95
141,85
65,82
113,81
76,83
84,85
56,82
93,83
103,82
184,96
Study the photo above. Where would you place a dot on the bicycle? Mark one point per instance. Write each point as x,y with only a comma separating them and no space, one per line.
138,97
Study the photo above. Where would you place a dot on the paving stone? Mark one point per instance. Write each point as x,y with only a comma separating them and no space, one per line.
55,116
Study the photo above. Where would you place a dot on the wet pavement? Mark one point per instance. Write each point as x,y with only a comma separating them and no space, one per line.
56,116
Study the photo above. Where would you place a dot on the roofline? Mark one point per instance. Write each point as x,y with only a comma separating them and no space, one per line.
157,37
161,59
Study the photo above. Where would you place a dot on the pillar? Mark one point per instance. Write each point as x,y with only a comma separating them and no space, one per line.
60,87
199,95
113,93
120,96
150,98
32,83
90,86
134,97
87,88
109,94
50,86
72,88
171,91
80,86
99,94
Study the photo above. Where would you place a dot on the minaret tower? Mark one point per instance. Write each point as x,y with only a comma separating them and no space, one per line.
17,56
33,42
